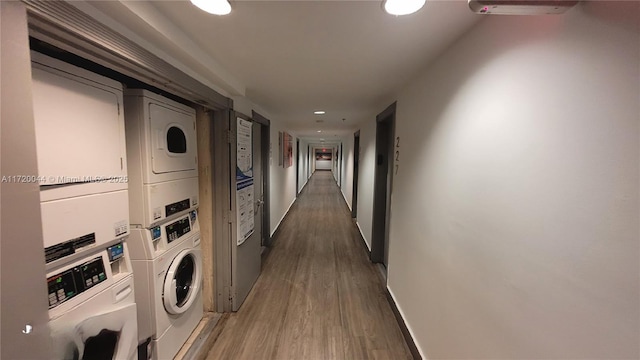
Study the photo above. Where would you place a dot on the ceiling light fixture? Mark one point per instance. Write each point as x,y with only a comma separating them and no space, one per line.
402,7
216,7
319,131
319,112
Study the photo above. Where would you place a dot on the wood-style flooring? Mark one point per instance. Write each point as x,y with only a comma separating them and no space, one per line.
318,296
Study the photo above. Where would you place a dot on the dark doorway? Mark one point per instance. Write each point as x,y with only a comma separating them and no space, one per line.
382,185
340,163
298,167
308,161
356,166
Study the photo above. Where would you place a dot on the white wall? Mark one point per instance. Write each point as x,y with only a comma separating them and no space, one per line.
282,184
347,169
514,215
303,169
323,164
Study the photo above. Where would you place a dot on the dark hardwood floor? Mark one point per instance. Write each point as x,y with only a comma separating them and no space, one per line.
318,296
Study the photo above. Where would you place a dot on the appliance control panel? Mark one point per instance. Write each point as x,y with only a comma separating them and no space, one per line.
177,229
156,233
177,207
74,281
115,252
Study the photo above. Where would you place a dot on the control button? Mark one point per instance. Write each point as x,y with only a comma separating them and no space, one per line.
101,276
62,297
95,278
60,292
89,282
52,301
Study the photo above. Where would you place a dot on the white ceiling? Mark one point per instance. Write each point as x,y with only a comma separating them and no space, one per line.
348,58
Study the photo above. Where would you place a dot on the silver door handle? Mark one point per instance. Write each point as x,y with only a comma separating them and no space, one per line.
260,202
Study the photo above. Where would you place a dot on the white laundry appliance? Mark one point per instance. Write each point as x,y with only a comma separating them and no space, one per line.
168,277
92,307
81,151
162,157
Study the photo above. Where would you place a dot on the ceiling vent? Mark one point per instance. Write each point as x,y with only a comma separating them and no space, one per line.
521,7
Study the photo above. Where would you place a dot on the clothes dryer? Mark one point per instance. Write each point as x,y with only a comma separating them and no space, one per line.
82,169
161,137
162,158
80,133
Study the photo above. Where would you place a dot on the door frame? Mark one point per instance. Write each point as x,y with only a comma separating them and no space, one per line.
382,184
266,160
223,214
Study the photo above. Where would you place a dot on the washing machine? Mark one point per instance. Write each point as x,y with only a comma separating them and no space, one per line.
92,307
169,296
81,152
162,157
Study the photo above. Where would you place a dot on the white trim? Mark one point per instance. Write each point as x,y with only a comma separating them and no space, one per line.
303,185
404,318
345,200
283,216
362,234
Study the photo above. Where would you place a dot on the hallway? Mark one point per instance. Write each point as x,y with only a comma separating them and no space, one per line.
318,296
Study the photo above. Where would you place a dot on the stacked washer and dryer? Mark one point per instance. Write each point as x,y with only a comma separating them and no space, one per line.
82,170
165,234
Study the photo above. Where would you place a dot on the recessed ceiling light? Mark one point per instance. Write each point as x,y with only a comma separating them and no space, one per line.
319,112
319,131
216,7
402,7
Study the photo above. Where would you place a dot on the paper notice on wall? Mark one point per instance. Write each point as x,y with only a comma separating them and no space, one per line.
245,210
244,167
244,180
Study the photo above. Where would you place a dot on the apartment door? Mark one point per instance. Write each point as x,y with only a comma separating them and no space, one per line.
382,185
247,188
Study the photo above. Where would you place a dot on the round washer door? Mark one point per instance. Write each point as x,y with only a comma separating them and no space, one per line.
182,282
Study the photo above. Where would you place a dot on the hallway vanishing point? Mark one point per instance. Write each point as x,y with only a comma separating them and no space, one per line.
318,296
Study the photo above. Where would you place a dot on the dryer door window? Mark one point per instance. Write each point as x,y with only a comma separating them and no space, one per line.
184,279
182,282
173,138
176,141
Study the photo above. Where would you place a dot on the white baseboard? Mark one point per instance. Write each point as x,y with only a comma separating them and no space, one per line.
362,234
404,318
283,216
345,199
303,185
